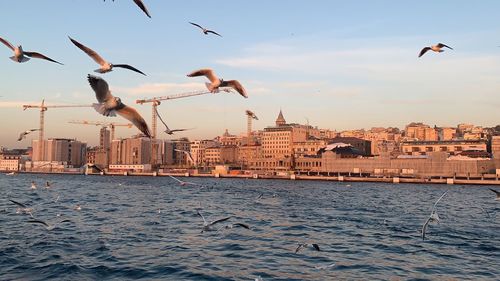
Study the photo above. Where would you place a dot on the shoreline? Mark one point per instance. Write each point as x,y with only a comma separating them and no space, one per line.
386,179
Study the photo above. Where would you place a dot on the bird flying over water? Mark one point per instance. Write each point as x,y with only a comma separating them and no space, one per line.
168,131
435,48
181,182
109,105
22,208
23,134
141,5
105,66
216,83
207,226
305,245
23,56
188,154
47,225
497,193
433,218
204,30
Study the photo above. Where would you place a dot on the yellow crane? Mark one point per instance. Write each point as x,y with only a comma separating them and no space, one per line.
110,125
44,108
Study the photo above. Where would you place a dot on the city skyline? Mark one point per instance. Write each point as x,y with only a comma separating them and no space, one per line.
340,70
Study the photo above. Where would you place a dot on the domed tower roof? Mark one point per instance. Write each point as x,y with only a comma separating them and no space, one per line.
280,121
226,134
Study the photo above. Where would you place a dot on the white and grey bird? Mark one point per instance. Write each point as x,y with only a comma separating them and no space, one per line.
109,105
433,218
204,30
233,225
182,183
188,154
105,66
305,245
141,5
23,56
23,134
47,225
207,226
497,193
435,48
33,185
167,129
22,208
216,83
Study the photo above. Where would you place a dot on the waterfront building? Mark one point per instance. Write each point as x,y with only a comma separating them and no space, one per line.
452,147
131,151
277,141
447,133
364,146
198,148
420,132
495,147
249,153
68,151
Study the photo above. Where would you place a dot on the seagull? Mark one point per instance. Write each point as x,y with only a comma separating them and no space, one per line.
182,183
48,226
325,266
47,184
436,48
21,208
105,66
77,207
207,225
168,131
33,185
433,217
305,245
204,30
22,56
231,226
213,87
497,193
109,105
141,5
23,134
188,154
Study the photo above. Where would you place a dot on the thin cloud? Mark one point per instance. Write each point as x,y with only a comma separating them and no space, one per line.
160,88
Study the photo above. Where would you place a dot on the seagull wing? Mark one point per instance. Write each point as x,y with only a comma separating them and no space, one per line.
241,225
207,72
496,192
424,227
39,221
219,220
40,56
129,68
204,220
133,116
316,247
211,31
195,24
441,45
143,7
424,50
178,180
7,43
235,84
441,197
95,56
299,247
161,119
21,136
100,87
18,204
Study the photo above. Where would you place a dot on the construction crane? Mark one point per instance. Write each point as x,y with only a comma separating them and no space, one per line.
44,108
250,116
111,125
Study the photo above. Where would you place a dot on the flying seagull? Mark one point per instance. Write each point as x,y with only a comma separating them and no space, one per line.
305,245
105,66
188,154
109,105
204,30
168,131
215,82
183,182
21,208
433,217
435,48
141,5
497,193
207,226
47,225
23,134
233,225
23,56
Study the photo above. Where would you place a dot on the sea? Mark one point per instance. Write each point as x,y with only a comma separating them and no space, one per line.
148,228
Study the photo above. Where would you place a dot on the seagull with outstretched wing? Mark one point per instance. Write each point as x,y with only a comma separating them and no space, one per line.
433,218
215,82
105,66
23,134
207,226
305,245
109,105
204,30
23,56
435,48
47,225
141,5
497,193
167,129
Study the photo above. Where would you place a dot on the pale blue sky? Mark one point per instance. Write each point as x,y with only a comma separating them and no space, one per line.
341,64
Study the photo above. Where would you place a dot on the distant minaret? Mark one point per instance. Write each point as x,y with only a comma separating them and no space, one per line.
280,121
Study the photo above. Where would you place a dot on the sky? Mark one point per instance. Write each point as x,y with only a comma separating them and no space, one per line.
339,64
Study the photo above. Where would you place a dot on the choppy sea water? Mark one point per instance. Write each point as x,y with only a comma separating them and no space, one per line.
148,228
